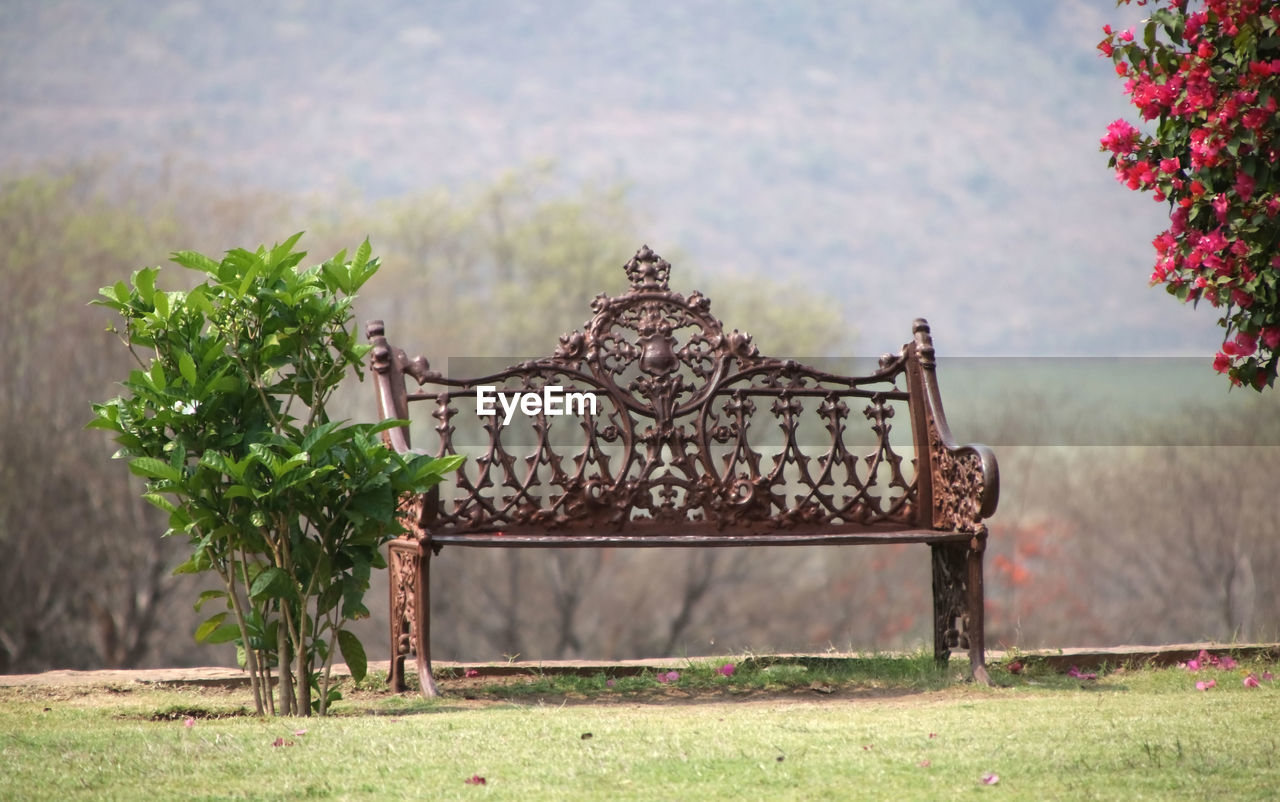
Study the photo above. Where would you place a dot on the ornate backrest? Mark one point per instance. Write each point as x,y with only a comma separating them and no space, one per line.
692,429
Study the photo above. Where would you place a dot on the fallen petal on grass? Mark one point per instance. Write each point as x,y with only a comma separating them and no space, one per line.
1078,674
670,676
726,670
472,672
1204,685
990,779
1251,681
475,779
189,722
1015,667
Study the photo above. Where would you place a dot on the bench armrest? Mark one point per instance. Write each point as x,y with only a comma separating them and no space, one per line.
962,486
967,487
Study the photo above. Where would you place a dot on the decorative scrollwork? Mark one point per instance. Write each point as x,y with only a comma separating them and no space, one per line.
695,429
958,489
403,571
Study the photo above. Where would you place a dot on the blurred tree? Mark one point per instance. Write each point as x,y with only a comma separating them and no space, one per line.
78,588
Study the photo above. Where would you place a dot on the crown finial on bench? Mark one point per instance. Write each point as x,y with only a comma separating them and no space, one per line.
648,271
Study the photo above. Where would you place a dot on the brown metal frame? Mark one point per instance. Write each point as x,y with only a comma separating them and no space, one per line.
678,456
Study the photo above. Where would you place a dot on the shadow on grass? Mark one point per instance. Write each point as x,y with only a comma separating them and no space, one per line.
756,679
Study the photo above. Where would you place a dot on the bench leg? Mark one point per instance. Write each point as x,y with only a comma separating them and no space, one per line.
977,608
401,568
958,604
422,622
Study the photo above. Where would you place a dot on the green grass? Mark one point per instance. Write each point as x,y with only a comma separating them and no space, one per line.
784,731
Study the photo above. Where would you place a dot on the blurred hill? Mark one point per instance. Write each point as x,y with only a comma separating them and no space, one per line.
930,159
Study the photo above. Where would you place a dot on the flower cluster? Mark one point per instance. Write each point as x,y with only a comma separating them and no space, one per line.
1208,74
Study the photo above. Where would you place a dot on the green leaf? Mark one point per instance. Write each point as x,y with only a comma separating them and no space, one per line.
284,250
337,274
227,632
145,281
160,501
194,261
194,565
103,422
209,627
187,367
153,468
209,595
162,304
297,460
247,280
158,380
353,654
273,583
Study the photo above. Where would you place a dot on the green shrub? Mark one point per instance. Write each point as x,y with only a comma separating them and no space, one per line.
225,420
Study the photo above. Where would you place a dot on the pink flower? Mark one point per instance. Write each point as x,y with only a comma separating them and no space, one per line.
474,779
1193,664
670,676
991,778
1015,667
1243,345
189,722
1271,337
609,683
726,670
1121,138
1204,685
1220,208
1078,674
1267,676
1251,681
1245,185
1222,364
1226,662
472,672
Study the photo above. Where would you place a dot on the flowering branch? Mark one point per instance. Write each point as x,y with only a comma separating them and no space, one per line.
1210,78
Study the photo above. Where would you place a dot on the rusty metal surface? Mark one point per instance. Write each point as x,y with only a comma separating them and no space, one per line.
698,439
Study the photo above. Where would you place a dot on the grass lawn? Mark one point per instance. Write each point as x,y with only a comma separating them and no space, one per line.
874,729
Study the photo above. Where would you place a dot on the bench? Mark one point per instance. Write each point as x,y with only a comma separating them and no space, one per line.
656,426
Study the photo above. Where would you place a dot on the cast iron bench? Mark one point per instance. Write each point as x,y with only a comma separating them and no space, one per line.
696,440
